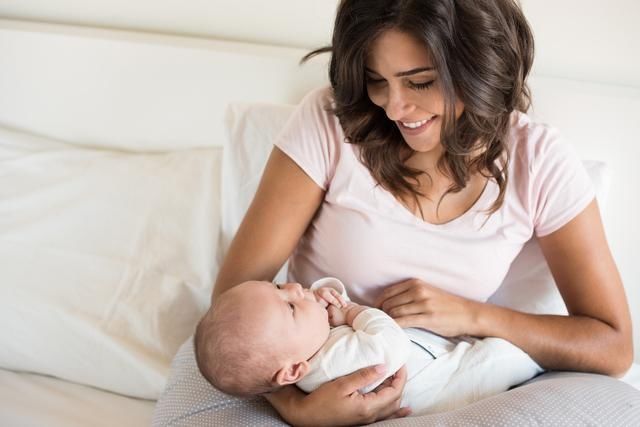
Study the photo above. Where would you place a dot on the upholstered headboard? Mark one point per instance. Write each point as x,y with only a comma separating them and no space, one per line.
138,90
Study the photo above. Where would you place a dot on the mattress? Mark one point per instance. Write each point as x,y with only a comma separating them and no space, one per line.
37,400
632,377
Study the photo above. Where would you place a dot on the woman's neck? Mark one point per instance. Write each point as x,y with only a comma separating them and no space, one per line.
425,161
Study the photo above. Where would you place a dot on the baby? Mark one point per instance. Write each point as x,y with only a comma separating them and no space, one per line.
259,336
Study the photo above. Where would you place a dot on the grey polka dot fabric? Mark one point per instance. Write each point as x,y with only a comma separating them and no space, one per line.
552,399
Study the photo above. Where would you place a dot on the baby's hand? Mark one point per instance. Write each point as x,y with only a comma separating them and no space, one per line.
344,315
329,297
337,315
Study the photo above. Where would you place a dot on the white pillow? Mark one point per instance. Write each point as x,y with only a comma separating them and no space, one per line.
252,129
529,285
108,259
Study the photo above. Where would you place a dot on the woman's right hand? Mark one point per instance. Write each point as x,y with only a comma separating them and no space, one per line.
338,402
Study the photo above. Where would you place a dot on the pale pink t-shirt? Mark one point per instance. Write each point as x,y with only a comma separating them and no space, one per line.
365,237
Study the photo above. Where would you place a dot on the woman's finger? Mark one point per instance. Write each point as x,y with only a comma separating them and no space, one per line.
394,388
413,321
386,383
353,382
397,300
413,308
400,413
389,398
393,290
400,377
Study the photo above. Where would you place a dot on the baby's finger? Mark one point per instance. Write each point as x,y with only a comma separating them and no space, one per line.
319,298
330,298
339,297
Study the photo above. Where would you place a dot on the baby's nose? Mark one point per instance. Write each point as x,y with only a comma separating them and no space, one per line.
295,288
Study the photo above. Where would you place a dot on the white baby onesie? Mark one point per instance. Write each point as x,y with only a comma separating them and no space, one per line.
442,374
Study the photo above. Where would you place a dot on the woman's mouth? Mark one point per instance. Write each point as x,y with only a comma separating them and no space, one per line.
414,128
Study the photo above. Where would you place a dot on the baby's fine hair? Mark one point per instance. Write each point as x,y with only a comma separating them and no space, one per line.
230,354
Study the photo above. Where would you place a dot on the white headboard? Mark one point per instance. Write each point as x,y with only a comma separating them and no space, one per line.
138,90
143,91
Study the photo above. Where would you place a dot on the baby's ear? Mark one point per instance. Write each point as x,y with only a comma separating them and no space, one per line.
291,373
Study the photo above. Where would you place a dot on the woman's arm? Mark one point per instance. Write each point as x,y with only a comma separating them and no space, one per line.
339,403
280,212
595,337
284,205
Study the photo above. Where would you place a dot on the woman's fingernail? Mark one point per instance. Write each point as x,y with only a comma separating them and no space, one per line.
381,369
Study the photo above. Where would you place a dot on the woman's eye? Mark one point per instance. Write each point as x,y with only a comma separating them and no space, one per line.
372,81
422,86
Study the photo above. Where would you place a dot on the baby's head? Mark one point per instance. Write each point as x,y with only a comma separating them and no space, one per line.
258,336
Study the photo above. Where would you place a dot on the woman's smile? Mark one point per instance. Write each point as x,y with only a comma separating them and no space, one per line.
415,128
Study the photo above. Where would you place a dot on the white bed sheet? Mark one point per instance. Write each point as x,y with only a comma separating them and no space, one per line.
632,377
30,400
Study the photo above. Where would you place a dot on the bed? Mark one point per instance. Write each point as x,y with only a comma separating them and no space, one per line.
127,160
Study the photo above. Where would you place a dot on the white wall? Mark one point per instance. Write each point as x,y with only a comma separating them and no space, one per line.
591,40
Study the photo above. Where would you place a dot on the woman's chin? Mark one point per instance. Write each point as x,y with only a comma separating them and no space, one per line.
422,146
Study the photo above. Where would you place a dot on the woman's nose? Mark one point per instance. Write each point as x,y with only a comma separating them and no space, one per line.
398,105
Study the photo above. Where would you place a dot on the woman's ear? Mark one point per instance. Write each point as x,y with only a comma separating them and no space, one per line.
291,373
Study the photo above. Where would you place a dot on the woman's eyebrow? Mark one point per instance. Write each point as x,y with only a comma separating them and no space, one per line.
404,73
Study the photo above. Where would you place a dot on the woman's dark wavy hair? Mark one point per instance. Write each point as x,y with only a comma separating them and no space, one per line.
483,52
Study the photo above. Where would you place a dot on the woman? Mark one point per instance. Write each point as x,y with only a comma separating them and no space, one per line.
417,178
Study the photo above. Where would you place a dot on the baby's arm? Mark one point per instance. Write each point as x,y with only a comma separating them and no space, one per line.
340,311
331,294
373,338
344,315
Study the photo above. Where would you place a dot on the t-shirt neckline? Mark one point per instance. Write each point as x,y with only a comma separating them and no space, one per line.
477,207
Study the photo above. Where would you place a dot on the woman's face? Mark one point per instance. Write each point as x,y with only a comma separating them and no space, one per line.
402,79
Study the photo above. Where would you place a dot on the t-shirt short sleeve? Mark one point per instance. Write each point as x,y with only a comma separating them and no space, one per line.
312,136
560,183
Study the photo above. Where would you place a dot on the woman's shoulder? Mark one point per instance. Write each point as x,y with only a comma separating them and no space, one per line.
529,141
315,113
320,98
313,137
548,175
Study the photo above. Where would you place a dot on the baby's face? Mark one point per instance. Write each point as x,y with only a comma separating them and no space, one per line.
294,317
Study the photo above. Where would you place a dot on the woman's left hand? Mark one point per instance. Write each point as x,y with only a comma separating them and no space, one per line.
414,303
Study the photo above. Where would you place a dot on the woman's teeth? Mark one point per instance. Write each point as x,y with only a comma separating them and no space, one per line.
414,125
